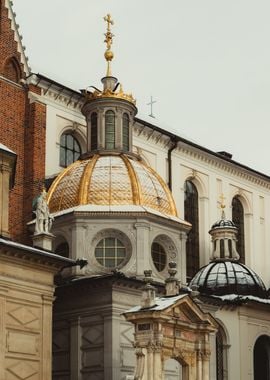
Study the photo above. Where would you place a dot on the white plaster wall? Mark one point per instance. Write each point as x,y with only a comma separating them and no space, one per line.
211,180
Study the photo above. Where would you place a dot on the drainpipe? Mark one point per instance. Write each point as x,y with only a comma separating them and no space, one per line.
174,141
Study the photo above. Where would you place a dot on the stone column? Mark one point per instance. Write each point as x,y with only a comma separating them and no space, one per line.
112,346
46,364
3,293
182,263
206,366
157,364
143,247
5,173
75,349
199,365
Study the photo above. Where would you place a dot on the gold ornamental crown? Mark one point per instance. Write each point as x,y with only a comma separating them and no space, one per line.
108,93
109,90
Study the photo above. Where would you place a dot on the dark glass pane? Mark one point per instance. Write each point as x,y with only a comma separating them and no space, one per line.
76,156
261,357
222,249
63,140
70,150
69,158
238,219
110,252
94,131
191,208
158,256
109,130
70,142
219,355
62,157
125,132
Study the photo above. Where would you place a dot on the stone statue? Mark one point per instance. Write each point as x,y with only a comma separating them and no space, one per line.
43,217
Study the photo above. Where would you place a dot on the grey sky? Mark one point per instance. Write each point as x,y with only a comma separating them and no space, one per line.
206,62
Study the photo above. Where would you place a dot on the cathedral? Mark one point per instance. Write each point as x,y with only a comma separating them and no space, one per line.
127,252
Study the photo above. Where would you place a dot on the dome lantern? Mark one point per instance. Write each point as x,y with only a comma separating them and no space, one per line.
224,237
109,112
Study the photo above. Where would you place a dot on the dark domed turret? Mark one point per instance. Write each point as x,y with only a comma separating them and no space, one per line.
225,275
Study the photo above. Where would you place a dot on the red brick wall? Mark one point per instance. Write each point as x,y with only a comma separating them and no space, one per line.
22,129
8,46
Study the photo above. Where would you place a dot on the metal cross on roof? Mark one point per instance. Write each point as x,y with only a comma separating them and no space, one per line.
151,105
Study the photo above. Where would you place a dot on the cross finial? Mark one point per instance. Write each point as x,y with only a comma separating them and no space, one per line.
222,205
108,40
151,105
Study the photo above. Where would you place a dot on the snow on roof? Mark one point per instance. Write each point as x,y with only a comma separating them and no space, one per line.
119,208
27,248
161,303
5,148
239,298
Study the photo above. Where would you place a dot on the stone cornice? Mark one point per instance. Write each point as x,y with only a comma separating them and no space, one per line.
204,155
32,256
151,135
231,168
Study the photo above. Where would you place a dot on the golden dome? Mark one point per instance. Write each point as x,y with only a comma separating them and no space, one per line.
110,180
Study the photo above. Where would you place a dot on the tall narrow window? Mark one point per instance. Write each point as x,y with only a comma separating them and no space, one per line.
94,131
261,358
125,132
109,130
238,219
70,150
192,216
221,355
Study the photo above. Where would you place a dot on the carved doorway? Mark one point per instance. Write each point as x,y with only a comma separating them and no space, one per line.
174,328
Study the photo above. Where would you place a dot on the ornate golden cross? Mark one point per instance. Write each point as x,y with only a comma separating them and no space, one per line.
108,35
222,201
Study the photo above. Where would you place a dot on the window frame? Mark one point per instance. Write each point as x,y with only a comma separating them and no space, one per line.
191,214
110,130
64,161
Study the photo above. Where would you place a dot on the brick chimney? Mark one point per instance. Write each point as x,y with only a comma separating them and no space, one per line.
7,173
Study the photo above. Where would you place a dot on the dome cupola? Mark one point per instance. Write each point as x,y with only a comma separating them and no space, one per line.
224,274
112,180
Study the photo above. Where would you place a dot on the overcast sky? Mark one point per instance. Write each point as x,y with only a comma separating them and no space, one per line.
205,62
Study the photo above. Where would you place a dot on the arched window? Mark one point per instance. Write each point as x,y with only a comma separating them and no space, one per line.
110,252
70,149
191,208
125,132
221,355
94,131
109,130
238,219
222,249
12,70
261,358
62,249
159,256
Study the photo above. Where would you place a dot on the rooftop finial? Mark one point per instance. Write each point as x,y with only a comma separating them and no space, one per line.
222,206
108,40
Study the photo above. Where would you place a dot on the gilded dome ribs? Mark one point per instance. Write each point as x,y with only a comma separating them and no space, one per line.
116,180
85,181
136,189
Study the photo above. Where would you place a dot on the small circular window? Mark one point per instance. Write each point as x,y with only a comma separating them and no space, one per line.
110,252
159,256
